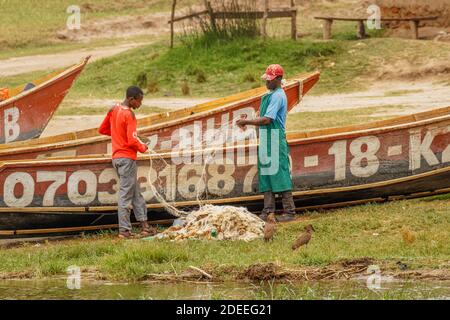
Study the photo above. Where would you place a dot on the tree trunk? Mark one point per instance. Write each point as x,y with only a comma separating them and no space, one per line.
293,21
174,4
327,28
414,28
211,14
265,17
361,32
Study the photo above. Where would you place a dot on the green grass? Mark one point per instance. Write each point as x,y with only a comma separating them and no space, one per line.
224,68
396,93
100,110
54,48
34,23
344,290
340,234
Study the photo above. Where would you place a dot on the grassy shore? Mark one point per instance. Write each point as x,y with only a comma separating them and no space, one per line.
224,68
32,24
414,232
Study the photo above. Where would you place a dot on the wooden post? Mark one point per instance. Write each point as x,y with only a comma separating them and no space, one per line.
361,31
414,28
211,14
293,21
265,16
327,28
174,3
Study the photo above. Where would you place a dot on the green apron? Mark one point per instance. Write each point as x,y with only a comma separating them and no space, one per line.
280,180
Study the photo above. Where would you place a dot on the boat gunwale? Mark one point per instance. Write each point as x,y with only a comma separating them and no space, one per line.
97,138
299,193
99,158
219,102
292,136
411,118
63,74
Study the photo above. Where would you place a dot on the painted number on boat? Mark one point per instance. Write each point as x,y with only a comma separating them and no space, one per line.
360,155
83,187
363,163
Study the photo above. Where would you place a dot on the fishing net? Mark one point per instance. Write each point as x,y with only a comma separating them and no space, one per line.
211,222
217,223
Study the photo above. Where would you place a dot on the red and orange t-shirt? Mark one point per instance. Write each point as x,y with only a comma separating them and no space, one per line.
120,124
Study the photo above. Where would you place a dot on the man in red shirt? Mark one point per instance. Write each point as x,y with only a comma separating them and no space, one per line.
120,124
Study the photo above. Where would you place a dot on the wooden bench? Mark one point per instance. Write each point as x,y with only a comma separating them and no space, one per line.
361,31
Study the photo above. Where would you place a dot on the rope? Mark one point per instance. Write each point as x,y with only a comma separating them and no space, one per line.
170,207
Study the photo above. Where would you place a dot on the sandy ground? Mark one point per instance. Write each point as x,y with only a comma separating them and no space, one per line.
165,103
411,97
121,27
399,95
397,98
15,66
63,124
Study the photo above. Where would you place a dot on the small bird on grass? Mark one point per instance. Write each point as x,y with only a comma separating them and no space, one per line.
304,238
270,228
402,266
408,236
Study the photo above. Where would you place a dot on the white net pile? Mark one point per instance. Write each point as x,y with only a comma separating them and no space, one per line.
217,223
211,222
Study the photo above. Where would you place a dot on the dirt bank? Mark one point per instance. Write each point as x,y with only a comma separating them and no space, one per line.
394,99
401,97
119,27
347,269
63,124
14,66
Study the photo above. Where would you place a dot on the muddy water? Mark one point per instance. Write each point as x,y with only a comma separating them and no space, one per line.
351,289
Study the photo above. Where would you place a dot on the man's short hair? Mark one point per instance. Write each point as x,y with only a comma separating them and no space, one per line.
134,92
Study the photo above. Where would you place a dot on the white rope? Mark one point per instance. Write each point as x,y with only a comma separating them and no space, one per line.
170,207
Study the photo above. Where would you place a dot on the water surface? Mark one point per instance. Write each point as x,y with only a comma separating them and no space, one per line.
348,289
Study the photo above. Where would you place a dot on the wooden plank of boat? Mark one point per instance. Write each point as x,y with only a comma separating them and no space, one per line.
306,82
17,224
164,130
400,160
339,160
26,113
82,228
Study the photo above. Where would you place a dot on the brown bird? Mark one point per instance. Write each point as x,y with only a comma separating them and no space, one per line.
270,228
304,238
408,236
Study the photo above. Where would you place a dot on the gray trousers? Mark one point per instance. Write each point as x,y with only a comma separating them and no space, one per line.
286,199
129,193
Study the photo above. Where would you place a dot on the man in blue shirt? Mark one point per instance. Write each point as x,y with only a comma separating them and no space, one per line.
274,174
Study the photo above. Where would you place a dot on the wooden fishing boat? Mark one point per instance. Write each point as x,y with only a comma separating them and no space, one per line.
164,130
331,167
28,108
